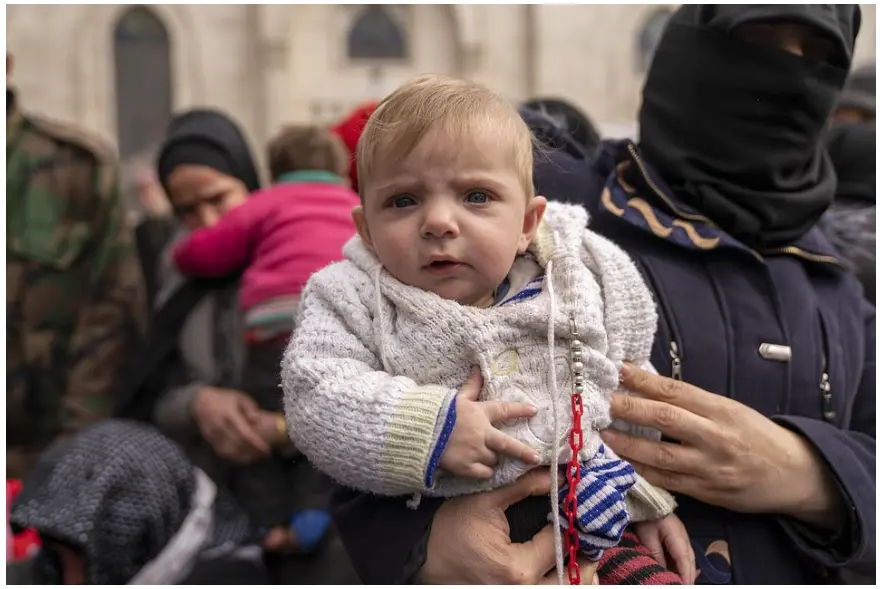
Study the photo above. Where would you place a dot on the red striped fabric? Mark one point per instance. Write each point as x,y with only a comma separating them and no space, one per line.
630,563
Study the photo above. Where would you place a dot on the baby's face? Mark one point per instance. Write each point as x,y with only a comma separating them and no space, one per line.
450,216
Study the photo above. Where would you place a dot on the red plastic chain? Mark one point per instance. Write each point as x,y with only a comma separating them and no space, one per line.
573,474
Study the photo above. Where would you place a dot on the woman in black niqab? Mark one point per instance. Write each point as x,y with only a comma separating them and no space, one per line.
735,126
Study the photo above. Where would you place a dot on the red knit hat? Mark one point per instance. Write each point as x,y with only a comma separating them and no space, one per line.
350,130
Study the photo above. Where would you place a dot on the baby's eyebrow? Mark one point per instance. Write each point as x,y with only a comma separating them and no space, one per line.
401,185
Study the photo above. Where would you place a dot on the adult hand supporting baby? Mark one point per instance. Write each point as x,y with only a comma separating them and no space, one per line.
730,455
470,542
227,421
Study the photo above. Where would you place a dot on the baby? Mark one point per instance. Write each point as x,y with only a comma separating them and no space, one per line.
458,264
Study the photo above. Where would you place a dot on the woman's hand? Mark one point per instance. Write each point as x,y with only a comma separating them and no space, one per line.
470,541
227,421
730,455
272,428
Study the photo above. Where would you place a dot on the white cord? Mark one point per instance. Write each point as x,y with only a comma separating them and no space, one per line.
554,461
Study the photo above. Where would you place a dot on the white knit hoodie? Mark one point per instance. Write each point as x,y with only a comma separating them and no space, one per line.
373,365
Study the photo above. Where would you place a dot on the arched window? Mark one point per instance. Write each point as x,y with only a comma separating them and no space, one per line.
143,80
375,34
649,37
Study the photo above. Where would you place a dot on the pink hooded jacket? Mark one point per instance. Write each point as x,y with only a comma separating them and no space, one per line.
281,235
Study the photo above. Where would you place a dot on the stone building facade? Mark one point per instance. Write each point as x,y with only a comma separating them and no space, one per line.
121,70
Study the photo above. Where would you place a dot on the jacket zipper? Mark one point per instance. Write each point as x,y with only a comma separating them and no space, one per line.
799,253
828,411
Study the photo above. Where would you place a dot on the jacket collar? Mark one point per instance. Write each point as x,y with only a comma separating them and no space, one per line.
320,176
635,193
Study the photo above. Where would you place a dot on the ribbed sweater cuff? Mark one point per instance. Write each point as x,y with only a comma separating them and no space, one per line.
412,436
645,502
443,430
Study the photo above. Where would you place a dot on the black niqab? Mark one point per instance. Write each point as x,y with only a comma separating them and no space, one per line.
736,128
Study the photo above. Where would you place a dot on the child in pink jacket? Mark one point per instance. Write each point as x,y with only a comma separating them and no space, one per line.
280,236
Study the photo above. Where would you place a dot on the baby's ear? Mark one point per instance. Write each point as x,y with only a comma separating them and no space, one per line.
531,221
360,222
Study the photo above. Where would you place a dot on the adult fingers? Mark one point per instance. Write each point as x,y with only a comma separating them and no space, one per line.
587,570
534,482
251,441
248,406
668,390
650,537
678,546
677,482
471,388
675,457
504,444
500,411
674,422
538,556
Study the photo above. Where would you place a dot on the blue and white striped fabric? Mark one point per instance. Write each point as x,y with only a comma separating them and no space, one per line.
601,502
530,290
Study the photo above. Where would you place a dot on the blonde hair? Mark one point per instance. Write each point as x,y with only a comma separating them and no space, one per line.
458,107
307,147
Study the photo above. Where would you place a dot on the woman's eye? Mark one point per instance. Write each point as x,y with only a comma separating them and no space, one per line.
401,202
477,197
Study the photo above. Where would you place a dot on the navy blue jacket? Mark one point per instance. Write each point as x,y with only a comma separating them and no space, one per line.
718,302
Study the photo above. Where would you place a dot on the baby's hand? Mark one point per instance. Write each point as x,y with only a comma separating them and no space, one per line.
473,447
668,536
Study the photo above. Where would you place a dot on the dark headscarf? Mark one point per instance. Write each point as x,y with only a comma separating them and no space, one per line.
851,222
207,138
736,127
852,148
570,118
561,165
118,492
861,89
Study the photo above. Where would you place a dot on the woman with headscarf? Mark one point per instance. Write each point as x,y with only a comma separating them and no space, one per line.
119,503
766,348
851,222
189,379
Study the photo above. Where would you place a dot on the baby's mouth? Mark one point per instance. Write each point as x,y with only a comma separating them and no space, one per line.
443,266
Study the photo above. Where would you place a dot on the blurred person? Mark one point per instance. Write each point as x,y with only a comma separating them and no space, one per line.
190,378
350,130
858,101
766,347
570,118
118,503
851,222
75,295
279,237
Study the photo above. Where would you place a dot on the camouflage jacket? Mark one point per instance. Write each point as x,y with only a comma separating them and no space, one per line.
75,302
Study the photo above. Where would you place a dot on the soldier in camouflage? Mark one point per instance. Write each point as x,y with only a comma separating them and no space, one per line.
75,304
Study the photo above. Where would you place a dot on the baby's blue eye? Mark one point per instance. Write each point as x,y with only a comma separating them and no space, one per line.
477,197
401,202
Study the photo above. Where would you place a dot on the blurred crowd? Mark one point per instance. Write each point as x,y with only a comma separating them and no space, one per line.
146,436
